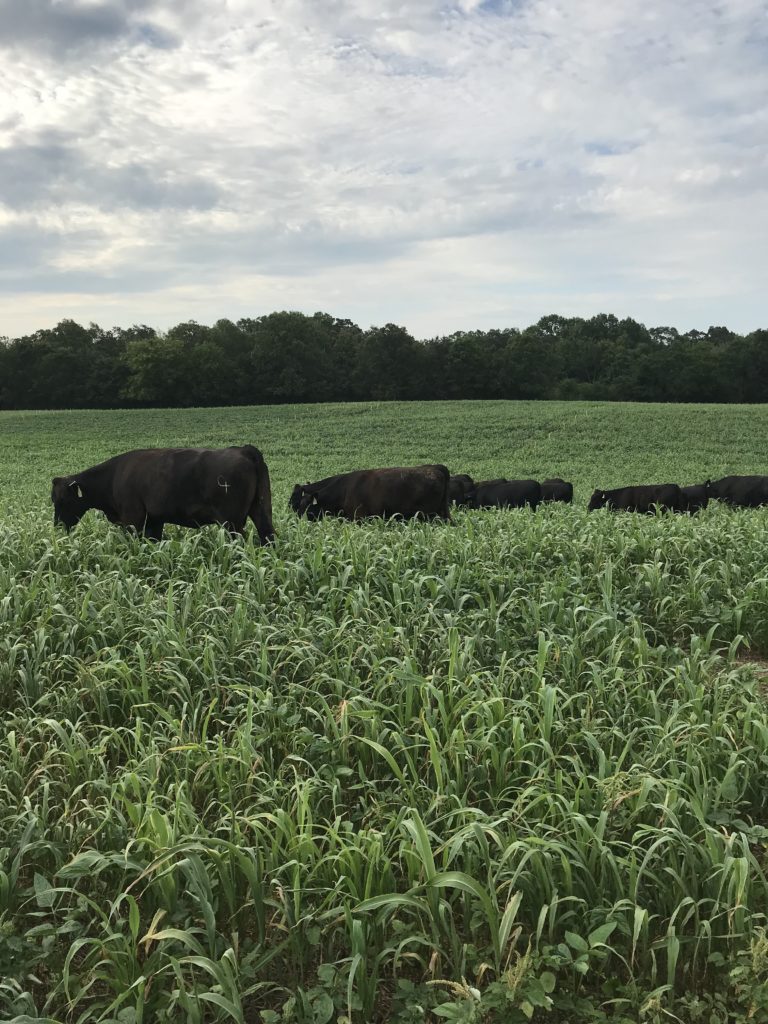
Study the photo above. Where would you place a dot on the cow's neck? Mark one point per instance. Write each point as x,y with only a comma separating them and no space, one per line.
95,484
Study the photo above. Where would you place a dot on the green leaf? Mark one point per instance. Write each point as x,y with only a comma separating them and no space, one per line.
415,826
44,894
599,935
508,919
673,951
448,1010
534,990
383,752
641,916
548,981
88,862
134,917
390,900
323,1008
225,1004
576,942
181,936
326,973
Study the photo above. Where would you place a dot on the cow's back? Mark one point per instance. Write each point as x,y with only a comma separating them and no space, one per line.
507,493
398,491
747,491
643,497
556,489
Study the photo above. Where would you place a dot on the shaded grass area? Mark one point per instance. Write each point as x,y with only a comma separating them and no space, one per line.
508,768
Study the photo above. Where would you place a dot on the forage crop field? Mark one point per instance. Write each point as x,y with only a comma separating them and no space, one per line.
508,769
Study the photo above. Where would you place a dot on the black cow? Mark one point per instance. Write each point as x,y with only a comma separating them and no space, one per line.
505,494
302,499
404,492
743,491
145,489
556,490
695,498
644,498
459,487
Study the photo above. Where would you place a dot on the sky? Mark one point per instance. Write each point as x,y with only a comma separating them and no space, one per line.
440,164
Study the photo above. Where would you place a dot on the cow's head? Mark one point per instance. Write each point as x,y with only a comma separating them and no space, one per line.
459,487
301,499
597,500
69,502
295,499
470,498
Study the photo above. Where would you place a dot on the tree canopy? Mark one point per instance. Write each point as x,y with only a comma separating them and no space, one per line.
291,357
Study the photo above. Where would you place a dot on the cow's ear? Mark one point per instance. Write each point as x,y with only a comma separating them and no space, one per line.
603,495
78,491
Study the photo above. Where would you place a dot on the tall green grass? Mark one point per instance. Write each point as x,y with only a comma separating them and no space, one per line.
506,769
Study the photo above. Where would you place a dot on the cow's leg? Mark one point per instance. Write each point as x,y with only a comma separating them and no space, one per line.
263,522
136,519
153,529
235,529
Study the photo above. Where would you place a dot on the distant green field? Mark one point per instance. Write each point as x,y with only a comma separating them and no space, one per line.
591,443
507,769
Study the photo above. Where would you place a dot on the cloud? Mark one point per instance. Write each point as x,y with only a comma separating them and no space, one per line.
55,169
438,163
63,28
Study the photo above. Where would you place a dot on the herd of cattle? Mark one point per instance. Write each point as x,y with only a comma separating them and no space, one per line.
146,489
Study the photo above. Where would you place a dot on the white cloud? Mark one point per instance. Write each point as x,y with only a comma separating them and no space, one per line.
441,163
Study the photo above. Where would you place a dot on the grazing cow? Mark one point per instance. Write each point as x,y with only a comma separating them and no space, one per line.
459,487
695,498
557,490
302,499
744,491
644,498
148,488
505,494
403,492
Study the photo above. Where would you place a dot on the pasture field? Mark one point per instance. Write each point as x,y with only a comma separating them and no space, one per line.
508,769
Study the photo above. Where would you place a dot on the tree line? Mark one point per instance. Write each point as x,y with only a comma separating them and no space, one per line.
292,357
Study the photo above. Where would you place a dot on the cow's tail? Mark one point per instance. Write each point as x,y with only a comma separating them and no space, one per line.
261,509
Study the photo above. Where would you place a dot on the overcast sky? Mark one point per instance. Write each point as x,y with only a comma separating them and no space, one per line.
443,164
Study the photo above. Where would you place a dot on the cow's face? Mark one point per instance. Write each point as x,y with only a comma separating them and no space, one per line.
306,504
459,487
295,499
301,499
69,504
596,501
